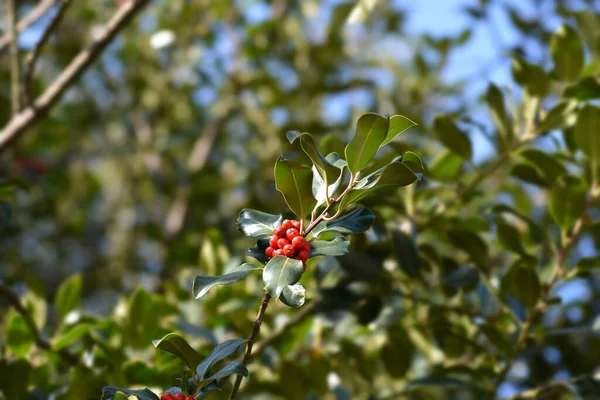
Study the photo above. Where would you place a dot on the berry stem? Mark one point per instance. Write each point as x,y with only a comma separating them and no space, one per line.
251,339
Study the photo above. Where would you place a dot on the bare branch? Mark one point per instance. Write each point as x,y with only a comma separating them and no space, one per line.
15,65
30,115
23,24
37,50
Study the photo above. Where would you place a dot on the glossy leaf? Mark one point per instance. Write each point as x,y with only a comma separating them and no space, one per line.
371,131
175,344
452,137
414,162
336,247
255,223
398,124
202,284
567,201
293,295
405,251
325,169
232,368
220,352
294,182
356,221
567,53
68,296
258,251
110,393
587,133
279,272
318,184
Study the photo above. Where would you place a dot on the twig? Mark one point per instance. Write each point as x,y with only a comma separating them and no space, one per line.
8,293
15,66
23,24
251,339
37,50
29,116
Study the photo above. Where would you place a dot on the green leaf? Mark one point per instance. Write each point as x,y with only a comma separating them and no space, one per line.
255,223
496,338
398,124
439,381
175,344
588,263
279,272
452,137
73,334
532,77
14,378
549,166
567,53
371,131
587,133
258,251
509,238
202,284
470,243
318,184
446,167
398,352
144,311
535,230
233,367
413,161
567,201
560,116
495,100
325,169
221,351
356,221
68,296
295,184
523,283
18,336
529,174
406,253
110,393
293,295
587,88
336,247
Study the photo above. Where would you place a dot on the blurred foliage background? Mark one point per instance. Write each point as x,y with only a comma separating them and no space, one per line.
132,184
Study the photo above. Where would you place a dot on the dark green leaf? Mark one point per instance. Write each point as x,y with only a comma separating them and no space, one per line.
496,338
531,77
589,263
567,53
559,117
336,247
214,385
295,184
279,272
586,89
68,296
523,283
325,169
221,351
452,137
549,166
398,352
110,393
371,131
258,251
535,230
175,344
202,284
567,201
509,238
470,243
529,174
255,223
14,378
587,133
398,124
440,381
318,184
495,100
293,295
233,367
406,253
446,167
356,221
73,334
413,161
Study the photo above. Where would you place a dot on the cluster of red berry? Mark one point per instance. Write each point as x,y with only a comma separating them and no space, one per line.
178,396
287,241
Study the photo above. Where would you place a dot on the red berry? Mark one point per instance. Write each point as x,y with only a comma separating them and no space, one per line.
296,224
190,398
302,255
269,252
280,231
180,396
282,242
273,241
291,233
277,252
298,242
286,224
288,250
307,246
303,266
167,396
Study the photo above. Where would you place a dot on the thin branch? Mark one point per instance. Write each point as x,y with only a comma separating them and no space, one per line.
15,65
251,339
37,50
29,116
8,293
23,24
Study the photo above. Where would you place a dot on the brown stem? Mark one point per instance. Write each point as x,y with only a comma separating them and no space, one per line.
8,293
251,339
37,50
15,66
23,24
30,115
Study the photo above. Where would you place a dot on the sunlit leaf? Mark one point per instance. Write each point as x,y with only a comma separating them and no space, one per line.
295,184
175,344
371,131
202,284
279,272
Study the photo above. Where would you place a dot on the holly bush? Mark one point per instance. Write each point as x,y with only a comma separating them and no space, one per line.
151,250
